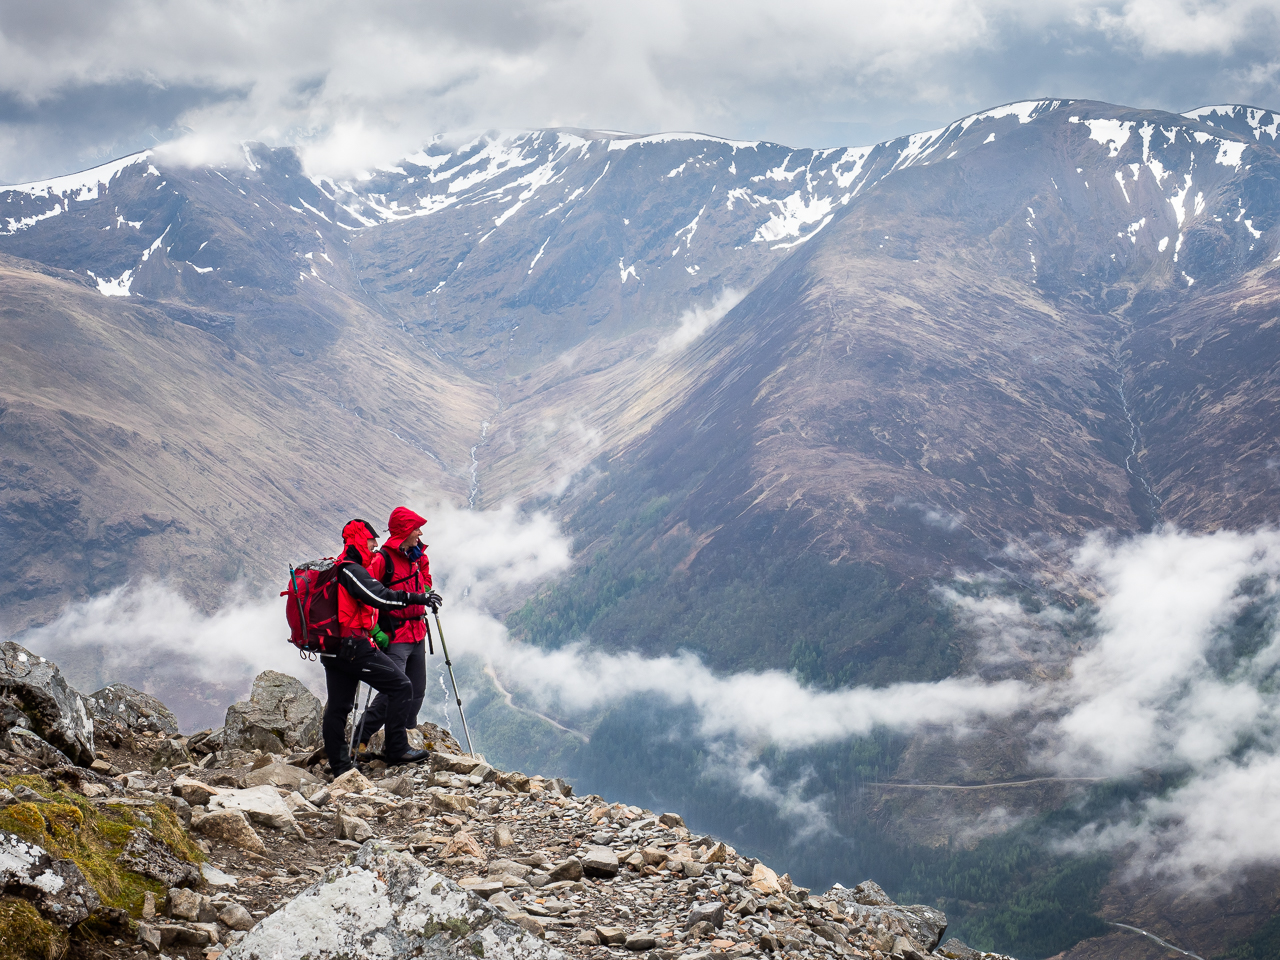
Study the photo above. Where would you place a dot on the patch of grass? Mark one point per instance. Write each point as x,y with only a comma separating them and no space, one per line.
25,935
71,827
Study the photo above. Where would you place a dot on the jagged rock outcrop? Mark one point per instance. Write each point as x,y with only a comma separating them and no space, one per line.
869,906
119,712
280,716
55,711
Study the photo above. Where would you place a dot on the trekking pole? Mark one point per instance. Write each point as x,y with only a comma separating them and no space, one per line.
357,729
449,663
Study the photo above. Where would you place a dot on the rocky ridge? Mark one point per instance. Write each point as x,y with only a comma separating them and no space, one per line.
220,849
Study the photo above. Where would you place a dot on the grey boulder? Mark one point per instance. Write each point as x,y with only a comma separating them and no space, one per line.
55,711
280,716
384,904
712,913
599,862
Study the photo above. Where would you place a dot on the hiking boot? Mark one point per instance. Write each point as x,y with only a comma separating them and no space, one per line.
409,756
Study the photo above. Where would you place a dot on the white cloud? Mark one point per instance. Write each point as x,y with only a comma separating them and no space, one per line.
1165,674
358,85
697,320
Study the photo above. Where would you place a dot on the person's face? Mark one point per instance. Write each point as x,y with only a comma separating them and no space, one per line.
413,539
372,544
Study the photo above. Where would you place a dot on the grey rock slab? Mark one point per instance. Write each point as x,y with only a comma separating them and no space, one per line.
279,774
149,935
385,904
599,862
955,949
401,786
611,936
29,745
509,867
56,887
216,878
505,904
280,716
870,893
455,763
260,804
145,855
347,826
55,710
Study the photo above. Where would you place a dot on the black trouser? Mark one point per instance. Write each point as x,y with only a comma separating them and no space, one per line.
412,659
360,662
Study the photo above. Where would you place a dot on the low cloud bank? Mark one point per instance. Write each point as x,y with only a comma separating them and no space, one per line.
1170,667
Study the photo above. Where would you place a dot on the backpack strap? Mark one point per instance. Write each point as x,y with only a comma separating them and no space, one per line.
388,568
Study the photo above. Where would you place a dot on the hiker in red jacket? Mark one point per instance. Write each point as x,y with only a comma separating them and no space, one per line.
359,659
402,564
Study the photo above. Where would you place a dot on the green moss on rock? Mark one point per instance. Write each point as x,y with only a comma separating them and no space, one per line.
91,835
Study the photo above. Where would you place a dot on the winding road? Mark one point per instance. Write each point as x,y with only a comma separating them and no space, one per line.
1151,936
981,786
506,695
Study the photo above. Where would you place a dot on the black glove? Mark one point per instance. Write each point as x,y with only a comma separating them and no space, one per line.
435,601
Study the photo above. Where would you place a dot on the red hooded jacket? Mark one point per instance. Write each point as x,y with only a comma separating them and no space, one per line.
406,574
354,618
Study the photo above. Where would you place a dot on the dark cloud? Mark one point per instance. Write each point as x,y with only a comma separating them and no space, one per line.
355,84
82,125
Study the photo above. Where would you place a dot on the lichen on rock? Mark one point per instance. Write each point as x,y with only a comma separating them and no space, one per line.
386,904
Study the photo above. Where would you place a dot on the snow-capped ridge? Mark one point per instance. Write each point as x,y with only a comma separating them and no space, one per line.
85,181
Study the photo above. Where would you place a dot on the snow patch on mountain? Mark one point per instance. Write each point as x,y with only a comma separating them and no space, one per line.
1238,118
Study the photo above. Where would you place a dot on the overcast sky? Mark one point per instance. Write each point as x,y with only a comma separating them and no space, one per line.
82,81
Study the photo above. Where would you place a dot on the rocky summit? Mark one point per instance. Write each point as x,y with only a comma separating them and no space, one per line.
195,847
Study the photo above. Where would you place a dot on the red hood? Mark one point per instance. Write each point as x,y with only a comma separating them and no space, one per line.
356,534
402,523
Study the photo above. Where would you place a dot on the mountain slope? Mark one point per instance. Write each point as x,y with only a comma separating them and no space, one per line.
974,352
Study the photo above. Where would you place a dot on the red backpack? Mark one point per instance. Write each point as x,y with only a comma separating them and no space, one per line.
312,605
